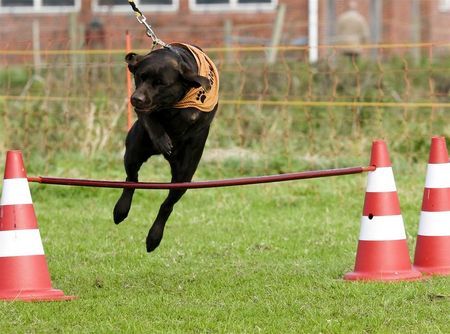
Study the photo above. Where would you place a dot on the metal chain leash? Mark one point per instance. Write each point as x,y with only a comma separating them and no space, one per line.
149,31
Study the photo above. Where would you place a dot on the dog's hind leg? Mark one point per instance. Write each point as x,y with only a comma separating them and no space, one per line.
183,167
137,152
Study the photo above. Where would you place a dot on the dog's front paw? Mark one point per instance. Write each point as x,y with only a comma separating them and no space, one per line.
164,144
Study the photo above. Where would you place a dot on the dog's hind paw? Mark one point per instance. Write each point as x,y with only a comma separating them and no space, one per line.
154,238
152,247
119,217
152,244
120,213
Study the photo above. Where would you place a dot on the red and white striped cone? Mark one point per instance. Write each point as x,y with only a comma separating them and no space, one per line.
23,268
382,253
432,254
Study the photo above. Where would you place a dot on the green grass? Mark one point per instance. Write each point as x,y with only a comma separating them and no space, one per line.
267,258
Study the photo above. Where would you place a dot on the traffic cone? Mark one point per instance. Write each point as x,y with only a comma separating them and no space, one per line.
382,253
23,268
432,254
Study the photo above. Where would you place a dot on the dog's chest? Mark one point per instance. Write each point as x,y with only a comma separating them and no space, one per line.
178,122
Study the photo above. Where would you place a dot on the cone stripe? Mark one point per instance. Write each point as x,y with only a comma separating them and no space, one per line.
20,243
438,152
17,217
383,261
23,274
434,223
380,156
382,228
381,180
381,204
436,199
438,176
372,253
15,191
14,165
434,257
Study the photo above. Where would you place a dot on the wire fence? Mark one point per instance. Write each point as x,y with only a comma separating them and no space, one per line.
273,116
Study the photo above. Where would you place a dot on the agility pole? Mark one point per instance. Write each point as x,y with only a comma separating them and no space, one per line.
202,184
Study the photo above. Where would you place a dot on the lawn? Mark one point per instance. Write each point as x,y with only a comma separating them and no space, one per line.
264,258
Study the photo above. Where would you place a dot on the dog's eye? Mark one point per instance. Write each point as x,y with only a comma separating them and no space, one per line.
158,82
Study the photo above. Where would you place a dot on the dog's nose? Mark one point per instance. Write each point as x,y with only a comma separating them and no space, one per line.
138,100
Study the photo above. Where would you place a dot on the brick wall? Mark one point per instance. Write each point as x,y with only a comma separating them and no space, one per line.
435,23
207,28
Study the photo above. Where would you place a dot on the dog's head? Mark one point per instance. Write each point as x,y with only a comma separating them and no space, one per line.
162,78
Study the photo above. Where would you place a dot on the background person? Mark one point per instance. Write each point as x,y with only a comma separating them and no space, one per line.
352,31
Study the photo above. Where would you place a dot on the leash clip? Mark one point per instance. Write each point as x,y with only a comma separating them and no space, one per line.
149,31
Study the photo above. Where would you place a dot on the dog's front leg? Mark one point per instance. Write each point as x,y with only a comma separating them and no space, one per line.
157,134
183,165
137,150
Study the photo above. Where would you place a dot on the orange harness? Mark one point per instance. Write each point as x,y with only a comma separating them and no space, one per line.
198,97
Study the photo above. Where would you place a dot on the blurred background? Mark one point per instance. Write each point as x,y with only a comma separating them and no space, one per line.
304,83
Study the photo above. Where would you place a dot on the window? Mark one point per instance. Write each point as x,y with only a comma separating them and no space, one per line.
39,6
204,5
143,5
8,3
444,5
58,2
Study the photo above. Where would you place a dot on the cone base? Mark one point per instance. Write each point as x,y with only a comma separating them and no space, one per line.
383,276
437,271
45,295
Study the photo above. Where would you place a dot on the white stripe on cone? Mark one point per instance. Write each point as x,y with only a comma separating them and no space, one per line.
381,180
438,176
16,191
434,223
20,243
381,228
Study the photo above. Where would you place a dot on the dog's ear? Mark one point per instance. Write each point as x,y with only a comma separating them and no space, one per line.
193,78
132,59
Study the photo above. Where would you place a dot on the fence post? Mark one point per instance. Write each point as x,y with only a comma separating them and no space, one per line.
129,83
376,8
313,30
73,42
331,22
276,34
415,29
37,60
228,39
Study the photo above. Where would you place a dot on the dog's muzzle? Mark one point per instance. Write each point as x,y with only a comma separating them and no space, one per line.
138,100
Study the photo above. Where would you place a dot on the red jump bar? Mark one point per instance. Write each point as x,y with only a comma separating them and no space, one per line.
202,184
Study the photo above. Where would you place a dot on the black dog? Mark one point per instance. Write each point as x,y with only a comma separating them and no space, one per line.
175,100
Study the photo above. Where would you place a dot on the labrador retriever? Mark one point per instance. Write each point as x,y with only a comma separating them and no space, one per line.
175,100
